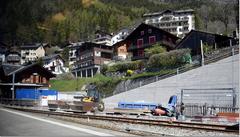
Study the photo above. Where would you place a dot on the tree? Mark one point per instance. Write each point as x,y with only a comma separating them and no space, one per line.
155,49
224,11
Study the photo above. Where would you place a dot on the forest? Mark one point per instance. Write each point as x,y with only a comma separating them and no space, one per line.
60,21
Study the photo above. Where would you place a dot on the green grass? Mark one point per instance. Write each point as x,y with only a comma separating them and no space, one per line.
105,84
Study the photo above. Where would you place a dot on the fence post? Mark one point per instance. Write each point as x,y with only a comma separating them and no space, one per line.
177,71
234,99
140,83
202,53
156,78
181,105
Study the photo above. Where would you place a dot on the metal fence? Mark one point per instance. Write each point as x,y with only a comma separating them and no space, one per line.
202,102
192,110
27,103
209,58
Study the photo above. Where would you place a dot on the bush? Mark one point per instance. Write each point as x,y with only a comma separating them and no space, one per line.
123,67
172,59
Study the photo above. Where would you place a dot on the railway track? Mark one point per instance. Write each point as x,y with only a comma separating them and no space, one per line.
172,124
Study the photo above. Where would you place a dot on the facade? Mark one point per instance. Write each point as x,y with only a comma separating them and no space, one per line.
25,77
193,41
55,64
32,52
178,22
73,47
13,57
91,57
119,36
144,36
120,51
103,38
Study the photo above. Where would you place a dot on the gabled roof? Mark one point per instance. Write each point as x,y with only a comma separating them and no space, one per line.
9,69
143,25
32,46
202,32
50,57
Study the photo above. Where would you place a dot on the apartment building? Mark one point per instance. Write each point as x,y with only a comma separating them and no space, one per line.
32,52
91,57
178,22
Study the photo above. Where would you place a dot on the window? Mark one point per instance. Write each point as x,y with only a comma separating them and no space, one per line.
141,53
149,30
139,43
142,33
152,39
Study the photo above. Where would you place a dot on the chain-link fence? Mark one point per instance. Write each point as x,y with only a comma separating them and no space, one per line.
208,101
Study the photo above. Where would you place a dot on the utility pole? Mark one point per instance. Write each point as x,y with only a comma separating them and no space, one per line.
202,53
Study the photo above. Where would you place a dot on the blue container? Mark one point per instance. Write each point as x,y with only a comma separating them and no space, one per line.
138,105
33,94
27,94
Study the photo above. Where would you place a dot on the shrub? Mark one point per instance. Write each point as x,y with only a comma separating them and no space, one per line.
123,67
155,49
172,59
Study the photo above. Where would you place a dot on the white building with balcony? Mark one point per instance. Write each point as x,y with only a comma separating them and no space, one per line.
73,47
32,52
55,64
178,22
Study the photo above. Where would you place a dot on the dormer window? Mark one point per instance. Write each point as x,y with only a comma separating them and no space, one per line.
142,33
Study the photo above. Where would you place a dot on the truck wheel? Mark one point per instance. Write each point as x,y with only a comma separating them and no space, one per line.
101,107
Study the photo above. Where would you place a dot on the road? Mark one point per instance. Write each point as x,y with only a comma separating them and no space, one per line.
16,123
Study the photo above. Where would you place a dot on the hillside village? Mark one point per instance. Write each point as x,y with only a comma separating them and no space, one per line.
111,67
164,41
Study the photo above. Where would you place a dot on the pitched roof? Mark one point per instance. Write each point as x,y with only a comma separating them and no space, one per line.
198,31
11,69
147,25
32,46
50,57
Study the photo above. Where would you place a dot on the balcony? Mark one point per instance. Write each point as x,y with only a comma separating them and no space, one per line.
133,47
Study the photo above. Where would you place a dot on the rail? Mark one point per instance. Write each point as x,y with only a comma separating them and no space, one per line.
172,124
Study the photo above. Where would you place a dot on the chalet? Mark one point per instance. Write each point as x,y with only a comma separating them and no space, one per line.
55,64
91,57
144,36
102,37
193,41
31,77
32,52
